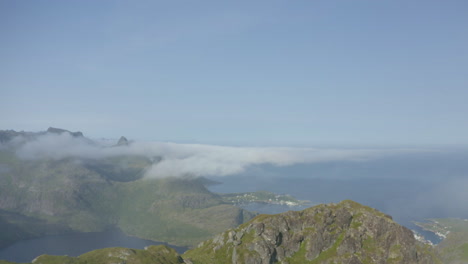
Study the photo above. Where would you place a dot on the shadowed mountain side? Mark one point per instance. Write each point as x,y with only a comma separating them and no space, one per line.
177,211
16,227
121,168
96,195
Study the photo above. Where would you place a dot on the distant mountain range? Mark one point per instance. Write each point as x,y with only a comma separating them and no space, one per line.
8,135
43,194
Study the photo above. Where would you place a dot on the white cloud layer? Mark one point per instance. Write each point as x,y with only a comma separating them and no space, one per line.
192,159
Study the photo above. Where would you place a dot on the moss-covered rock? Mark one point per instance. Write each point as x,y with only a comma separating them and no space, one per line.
331,233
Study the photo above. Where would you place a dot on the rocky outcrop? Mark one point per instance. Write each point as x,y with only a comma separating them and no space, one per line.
335,233
122,141
60,131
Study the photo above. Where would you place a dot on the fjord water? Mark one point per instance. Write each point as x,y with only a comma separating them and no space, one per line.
73,245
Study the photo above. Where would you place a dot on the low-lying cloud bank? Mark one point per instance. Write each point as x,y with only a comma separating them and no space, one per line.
191,159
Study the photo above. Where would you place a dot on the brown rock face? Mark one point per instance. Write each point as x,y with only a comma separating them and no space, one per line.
335,233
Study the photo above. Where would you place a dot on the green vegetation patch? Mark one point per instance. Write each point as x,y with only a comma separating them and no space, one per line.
151,255
327,255
95,195
464,251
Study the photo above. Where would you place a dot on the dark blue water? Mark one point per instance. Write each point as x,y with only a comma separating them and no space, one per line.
73,245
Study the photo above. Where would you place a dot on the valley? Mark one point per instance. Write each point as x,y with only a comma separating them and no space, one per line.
64,192
42,196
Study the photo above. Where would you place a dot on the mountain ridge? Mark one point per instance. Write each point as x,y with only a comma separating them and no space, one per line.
347,233
85,194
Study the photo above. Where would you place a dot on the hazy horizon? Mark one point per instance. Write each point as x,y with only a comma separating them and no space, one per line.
250,73
323,100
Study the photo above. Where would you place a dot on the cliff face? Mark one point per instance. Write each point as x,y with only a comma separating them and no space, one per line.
335,233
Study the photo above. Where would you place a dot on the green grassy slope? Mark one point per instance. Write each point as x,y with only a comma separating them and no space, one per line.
181,212
454,248
151,255
84,195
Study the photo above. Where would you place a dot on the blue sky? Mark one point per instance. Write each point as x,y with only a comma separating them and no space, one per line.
238,72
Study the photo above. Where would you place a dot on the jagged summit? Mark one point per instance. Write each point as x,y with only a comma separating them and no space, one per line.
60,131
8,135
347,232
122,141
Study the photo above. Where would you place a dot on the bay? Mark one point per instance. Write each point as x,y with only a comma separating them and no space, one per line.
73,245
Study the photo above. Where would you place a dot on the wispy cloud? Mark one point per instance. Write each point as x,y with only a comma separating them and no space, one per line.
191,159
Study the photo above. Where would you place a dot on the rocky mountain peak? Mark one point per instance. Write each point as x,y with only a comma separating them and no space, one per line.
122,141
330,233
60,131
